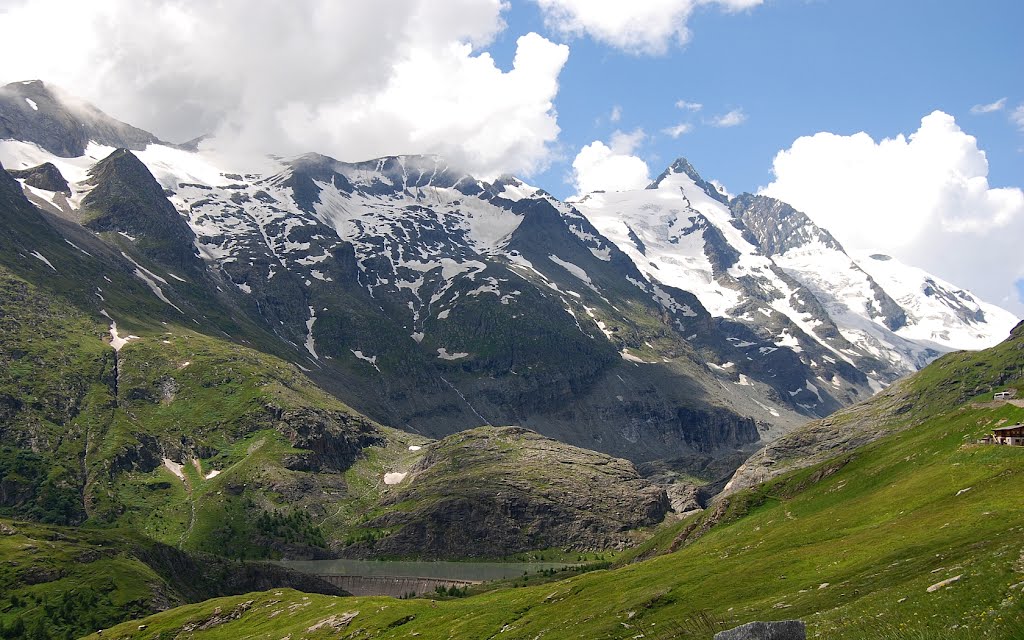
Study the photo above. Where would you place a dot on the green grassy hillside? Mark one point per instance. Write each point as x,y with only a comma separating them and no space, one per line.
207,445
860,545
95,436
60,582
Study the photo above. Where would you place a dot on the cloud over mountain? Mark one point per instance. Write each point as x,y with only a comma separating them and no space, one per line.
350,80
924,197
612,166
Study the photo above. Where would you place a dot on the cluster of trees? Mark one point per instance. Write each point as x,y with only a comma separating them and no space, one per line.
34,488
451,591
68,615
295,527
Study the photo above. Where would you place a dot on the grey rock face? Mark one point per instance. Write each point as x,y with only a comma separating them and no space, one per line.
46,177
34,112
784,630
778,228
708,430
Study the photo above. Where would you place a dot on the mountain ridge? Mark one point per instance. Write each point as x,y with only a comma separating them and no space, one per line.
390,277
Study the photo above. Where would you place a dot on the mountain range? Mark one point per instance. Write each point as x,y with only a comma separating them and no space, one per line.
673,322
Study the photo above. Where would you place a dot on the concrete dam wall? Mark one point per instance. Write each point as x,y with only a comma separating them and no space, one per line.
394,586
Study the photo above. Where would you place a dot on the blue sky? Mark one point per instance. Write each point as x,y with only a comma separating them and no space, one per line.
795,68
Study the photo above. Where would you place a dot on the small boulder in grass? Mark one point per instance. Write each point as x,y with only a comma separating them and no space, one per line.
782,630
944,583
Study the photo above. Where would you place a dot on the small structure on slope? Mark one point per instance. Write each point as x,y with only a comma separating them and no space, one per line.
1012,435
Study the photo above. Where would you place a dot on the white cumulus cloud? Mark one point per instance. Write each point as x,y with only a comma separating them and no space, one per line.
688,106
991,107
353,80
924,198
611,167
639,27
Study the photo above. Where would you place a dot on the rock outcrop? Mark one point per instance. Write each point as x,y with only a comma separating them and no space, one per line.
490,491
784,630
45,176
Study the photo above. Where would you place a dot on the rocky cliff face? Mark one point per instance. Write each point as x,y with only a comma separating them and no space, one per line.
63,125
778,227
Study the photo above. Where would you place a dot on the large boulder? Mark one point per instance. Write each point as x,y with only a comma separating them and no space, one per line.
783,630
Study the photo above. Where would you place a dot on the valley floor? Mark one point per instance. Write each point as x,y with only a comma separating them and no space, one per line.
918,535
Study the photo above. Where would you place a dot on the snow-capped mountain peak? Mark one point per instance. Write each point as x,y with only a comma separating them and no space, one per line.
938,312
672,314
753,256
682,166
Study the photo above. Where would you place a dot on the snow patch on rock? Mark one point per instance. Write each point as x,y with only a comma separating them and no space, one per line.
41,257
175,468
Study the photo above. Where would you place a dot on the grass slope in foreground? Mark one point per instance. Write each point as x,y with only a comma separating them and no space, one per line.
850,545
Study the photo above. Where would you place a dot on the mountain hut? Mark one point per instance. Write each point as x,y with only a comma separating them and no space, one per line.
1012,435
